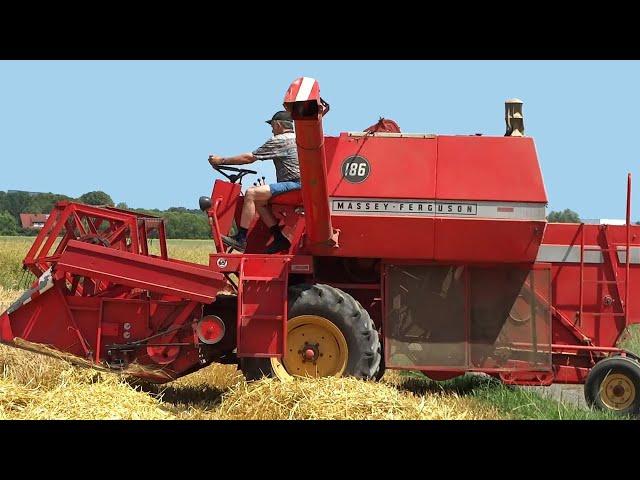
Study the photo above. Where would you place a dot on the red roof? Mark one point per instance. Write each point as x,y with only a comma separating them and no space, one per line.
28,219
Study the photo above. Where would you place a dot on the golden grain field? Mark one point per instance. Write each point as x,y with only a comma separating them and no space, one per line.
34,386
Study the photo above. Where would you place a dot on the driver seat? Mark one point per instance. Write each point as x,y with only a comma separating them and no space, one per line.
292,197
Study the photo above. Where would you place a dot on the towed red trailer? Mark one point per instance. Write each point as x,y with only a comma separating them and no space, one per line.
408,251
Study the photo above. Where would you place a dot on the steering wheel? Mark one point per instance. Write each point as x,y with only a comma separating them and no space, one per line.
233,178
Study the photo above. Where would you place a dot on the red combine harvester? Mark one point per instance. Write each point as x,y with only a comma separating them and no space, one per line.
409,251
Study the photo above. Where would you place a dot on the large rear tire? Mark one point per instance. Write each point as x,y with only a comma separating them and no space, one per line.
613,384
329,334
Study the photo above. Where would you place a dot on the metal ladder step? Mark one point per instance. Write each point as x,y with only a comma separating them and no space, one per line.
609,256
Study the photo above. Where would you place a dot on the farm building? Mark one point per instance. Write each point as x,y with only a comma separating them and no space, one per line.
33,220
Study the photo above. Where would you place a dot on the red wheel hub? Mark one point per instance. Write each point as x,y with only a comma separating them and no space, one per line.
210,329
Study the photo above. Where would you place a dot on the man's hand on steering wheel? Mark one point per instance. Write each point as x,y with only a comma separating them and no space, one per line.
217,163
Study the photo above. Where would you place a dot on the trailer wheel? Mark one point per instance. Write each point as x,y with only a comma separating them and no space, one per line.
614,384
329,334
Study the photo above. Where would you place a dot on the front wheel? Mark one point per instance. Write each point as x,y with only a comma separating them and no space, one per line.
329,334
614,384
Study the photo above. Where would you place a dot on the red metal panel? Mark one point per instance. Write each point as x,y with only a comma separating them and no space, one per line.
399,167
6,334
486,240
49,321
262,312
330,146
264,266
599,322
118,313
391,237
194,282
229,195
454,240
471,169
224,262
489,168
568,234
93,327
569,374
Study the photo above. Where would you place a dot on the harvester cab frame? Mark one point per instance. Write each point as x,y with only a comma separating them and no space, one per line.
481,281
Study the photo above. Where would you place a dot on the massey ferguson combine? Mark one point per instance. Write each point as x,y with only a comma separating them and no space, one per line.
409,251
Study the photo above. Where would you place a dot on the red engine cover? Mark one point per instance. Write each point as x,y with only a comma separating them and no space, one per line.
444,198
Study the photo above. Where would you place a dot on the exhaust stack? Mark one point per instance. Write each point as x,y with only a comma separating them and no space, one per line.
514,118
303,102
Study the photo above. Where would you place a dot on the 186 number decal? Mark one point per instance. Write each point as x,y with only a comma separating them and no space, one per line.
355,169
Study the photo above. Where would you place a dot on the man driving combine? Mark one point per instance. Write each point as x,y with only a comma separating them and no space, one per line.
281,148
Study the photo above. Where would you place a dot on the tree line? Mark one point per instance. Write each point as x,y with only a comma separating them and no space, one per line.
180,222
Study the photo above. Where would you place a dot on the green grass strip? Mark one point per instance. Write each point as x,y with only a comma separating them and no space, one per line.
513,402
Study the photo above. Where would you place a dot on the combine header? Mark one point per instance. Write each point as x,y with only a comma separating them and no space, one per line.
409,251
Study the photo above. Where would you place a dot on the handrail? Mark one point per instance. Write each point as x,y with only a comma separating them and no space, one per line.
628,259
217,237
581,273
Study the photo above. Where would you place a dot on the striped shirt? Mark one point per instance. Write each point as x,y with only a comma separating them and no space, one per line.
284,153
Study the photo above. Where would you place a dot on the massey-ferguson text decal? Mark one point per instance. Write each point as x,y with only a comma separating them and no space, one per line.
430,208
409,207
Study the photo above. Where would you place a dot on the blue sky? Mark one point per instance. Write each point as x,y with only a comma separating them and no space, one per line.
142,130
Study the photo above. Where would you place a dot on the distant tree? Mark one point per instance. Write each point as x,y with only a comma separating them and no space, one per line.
565,216
96,198
148,211
44,202
8,224
123,206
186,225
16,203
197,211
32,232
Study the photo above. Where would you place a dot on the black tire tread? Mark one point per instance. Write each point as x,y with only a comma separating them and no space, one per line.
347,314
629,366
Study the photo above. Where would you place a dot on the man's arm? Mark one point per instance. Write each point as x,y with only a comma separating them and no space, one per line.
241,159
270,149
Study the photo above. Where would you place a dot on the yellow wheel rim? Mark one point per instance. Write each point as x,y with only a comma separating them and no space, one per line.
617,391
315,348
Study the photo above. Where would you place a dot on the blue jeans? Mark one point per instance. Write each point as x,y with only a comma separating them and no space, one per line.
283,187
